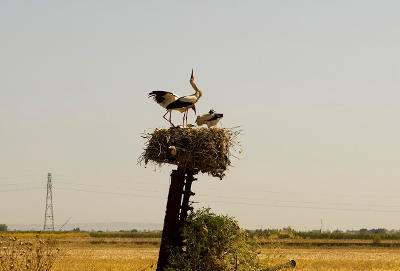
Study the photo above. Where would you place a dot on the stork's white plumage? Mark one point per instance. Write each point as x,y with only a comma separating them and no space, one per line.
211,119
171,101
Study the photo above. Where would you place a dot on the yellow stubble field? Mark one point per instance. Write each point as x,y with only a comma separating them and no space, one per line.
115,257
80,252
340,259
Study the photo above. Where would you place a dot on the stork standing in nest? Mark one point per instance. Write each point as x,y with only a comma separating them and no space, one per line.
171,101
210,119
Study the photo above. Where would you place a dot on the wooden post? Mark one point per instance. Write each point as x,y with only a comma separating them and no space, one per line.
170,236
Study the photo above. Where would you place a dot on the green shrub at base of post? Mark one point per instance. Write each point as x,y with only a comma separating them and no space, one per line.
214,243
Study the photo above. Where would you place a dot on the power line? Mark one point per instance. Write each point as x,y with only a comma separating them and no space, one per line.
306,207
245,203
18,183
103,186
22,189
240,197
272,203
67,181
296,201
107,192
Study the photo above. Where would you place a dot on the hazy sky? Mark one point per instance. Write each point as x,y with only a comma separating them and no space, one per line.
313,84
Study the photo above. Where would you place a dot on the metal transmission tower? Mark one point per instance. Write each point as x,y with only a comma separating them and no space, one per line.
48,214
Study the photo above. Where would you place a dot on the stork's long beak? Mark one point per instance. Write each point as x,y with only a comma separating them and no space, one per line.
192,77
194,109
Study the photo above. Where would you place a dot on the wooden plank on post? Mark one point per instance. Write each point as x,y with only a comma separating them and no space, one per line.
187,193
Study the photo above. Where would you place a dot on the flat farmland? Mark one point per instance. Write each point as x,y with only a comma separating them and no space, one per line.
81,251
114,257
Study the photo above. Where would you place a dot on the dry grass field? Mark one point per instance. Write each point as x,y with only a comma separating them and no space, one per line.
107,258
80,252
340,258
141,258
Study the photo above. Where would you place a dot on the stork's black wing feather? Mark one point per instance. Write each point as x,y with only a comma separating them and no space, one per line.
178,104
160,95
215,117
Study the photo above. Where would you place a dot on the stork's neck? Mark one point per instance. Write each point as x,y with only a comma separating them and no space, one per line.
198,93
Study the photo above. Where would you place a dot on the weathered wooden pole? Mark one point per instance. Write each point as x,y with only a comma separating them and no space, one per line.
176,213
170,235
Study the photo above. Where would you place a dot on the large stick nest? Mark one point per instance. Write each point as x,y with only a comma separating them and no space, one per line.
205,149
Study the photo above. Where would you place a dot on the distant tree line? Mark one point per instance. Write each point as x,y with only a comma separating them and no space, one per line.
3,227
288,233
374,231
131,234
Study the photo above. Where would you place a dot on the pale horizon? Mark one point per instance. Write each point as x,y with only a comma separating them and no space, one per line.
313,85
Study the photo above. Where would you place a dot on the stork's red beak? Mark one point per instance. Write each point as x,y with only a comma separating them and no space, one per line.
192,77
194,109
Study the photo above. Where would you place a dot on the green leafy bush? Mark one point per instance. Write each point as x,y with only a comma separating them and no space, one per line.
214,243
377,239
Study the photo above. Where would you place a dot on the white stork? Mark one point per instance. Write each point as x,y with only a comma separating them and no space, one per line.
172,102
210,119
183,104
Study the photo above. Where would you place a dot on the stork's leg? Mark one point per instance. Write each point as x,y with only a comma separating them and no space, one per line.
187,113
165,115
186,117
183,120
169,120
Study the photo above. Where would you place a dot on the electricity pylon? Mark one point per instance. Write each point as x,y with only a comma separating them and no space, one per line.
48,214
